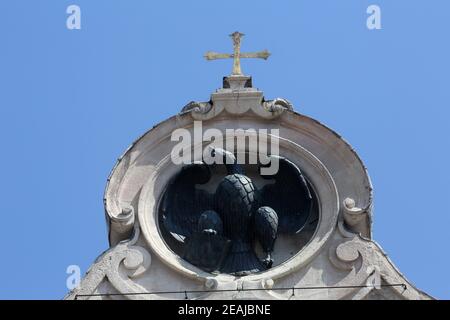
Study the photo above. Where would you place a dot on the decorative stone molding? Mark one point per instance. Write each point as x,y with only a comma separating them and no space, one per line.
277,105
355,217
236,98
120,265
197,107
319,176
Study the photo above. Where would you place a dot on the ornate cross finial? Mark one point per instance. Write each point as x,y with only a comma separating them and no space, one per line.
237,55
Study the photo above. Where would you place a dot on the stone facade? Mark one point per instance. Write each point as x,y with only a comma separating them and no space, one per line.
335,259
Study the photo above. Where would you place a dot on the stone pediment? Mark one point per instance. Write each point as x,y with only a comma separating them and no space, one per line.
333,257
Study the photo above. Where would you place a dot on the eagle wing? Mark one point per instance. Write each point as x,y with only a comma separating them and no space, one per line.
183,203
290,196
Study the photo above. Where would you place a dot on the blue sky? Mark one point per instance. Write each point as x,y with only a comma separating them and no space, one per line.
71,101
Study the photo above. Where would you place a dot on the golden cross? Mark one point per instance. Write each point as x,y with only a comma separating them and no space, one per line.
237,55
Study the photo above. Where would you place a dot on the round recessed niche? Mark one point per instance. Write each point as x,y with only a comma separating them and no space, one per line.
287,245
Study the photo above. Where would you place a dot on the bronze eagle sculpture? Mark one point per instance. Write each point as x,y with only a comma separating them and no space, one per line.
218,231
